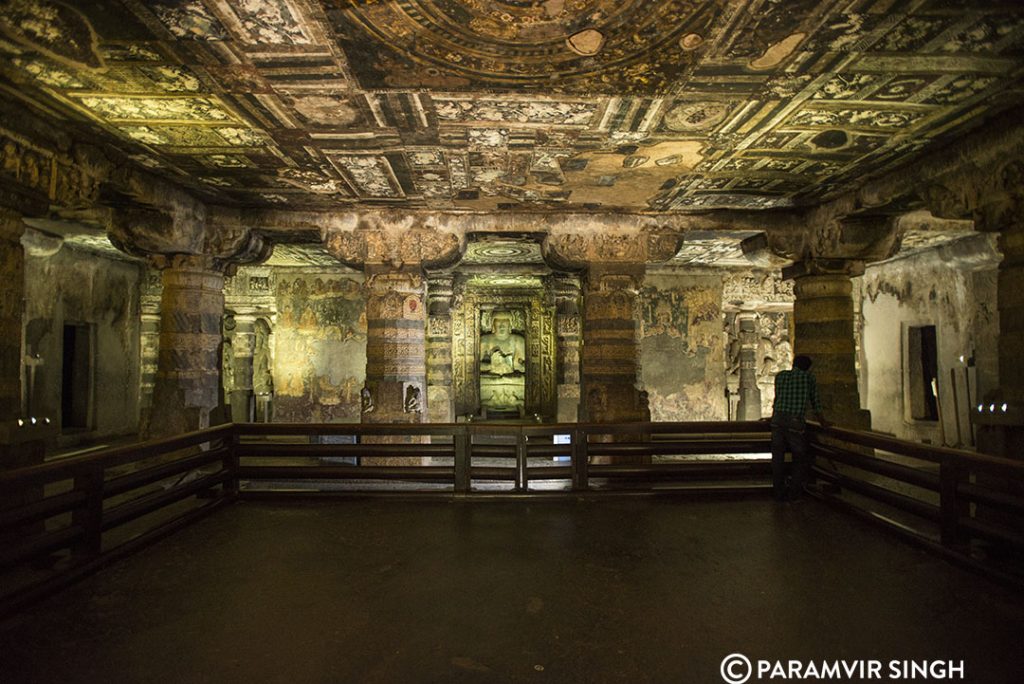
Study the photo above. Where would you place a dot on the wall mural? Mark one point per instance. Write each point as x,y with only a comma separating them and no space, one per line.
669,105
319,348
682,351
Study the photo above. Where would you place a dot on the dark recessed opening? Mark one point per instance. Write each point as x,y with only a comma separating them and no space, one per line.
923,359
75,385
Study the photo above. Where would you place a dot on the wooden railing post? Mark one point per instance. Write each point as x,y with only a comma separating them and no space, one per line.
462,461
230,463
950,506
580,458
90,514
521,482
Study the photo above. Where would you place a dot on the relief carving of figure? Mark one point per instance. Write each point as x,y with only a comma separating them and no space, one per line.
502,352
412,399
262,376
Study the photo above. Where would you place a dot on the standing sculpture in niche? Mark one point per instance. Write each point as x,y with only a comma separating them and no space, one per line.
502,367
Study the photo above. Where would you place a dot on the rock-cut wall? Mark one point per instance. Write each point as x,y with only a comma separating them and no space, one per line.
931,288
100,295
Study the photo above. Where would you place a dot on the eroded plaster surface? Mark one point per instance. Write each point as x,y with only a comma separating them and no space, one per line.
75,287
930,289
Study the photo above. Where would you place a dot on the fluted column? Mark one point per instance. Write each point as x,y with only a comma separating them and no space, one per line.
12,296
188,376
610,358
243,347
824,325
749,406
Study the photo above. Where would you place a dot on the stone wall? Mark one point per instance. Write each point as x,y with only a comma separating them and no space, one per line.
682,347
77,287
953,289
319,346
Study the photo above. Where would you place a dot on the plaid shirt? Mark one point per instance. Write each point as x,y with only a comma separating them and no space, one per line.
793,389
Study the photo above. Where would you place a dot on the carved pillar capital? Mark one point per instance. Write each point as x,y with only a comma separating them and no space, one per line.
829,236
839,269
998,203
11,225
182,230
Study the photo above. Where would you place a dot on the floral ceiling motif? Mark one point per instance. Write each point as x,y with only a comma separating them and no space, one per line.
665,105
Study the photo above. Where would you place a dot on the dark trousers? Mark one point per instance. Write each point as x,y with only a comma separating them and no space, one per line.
788,434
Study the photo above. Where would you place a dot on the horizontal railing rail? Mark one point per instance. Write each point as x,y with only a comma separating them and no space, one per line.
967,505
465,456
70,516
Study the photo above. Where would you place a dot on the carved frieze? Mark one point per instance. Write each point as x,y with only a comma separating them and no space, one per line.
396,248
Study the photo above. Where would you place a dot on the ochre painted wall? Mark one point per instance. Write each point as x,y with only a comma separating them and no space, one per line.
682,347
319,347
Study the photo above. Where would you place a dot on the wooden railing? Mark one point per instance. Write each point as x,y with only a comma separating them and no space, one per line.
73,515
598,456
968,506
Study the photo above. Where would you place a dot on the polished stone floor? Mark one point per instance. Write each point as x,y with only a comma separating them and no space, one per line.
610,590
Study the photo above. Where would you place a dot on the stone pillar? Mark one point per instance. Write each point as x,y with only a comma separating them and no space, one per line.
396,372
611,354
1002,432
12,306
439,348
149,342
749,406
187,378
567,329
824,324
243,347
1011,314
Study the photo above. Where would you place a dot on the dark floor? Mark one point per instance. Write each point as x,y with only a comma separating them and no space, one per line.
611,590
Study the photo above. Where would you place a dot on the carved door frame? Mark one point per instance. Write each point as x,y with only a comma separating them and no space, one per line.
541,388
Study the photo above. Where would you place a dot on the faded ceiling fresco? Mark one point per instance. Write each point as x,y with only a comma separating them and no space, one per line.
665,105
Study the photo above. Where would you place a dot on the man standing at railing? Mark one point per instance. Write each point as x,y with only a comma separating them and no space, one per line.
794,390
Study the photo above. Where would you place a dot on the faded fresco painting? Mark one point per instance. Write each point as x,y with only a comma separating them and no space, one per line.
320,348
682,347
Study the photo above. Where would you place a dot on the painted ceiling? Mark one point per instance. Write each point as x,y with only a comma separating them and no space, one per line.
662,105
